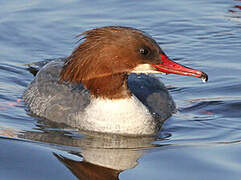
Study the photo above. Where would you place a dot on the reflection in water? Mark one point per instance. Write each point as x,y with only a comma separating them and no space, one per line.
104,156
85,170
235,11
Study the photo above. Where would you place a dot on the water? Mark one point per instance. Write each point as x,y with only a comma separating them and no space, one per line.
201,141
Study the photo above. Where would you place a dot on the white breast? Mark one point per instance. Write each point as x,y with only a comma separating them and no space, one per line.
123,116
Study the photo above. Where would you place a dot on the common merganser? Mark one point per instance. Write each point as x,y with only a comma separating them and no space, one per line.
101,86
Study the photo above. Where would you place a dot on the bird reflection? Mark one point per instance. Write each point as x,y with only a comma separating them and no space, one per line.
102,156
84,170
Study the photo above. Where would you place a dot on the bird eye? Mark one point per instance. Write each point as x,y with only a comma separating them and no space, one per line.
144,51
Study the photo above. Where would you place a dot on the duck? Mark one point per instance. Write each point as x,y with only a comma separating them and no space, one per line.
108,84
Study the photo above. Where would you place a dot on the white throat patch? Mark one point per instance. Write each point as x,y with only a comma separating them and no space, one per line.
144,68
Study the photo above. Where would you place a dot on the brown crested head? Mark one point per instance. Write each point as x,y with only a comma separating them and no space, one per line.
106,55
109,50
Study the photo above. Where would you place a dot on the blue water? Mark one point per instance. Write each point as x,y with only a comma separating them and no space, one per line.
200,141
